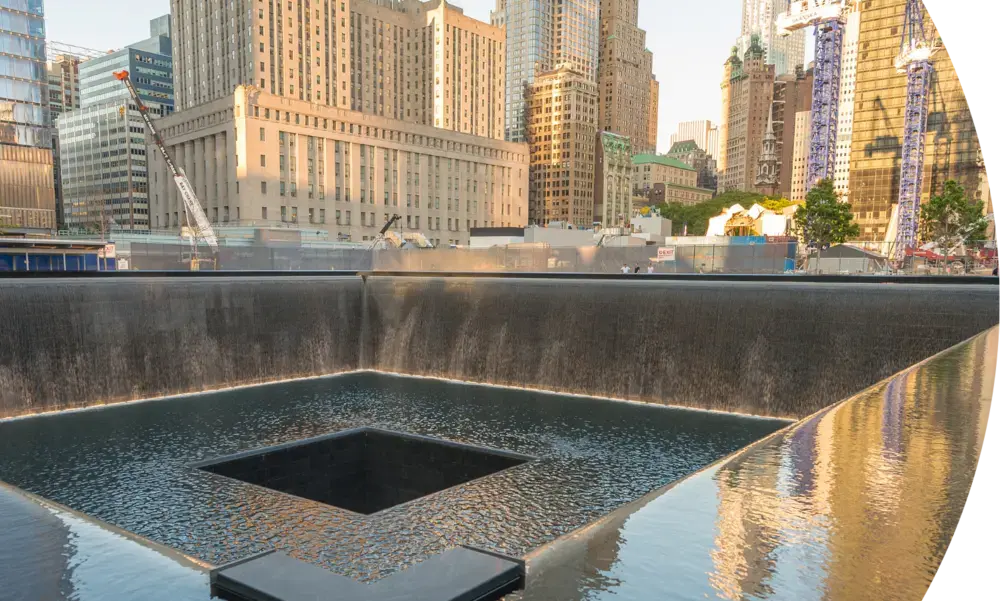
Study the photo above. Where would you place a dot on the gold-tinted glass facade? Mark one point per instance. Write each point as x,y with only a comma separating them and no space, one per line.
879,102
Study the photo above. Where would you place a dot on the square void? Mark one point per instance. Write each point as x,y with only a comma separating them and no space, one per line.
364,470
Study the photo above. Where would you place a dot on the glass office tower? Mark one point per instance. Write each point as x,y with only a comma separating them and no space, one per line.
23,75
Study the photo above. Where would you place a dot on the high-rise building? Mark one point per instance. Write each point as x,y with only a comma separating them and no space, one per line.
800,155
625,74
951,145
562,130
792,95
27,195
339,115
102,144
613,180
784,52
64,95
845,114
702,133
654,113
422,62
543,35
747,89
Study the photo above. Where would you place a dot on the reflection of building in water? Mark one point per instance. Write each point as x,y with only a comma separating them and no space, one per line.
745,543
843,502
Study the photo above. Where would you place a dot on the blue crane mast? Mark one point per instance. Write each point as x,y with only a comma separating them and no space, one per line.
828,18
915,52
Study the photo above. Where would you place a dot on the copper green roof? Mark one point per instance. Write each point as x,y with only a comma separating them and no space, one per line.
659,159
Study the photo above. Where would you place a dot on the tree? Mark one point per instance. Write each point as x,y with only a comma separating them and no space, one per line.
950,220
824,220
776,204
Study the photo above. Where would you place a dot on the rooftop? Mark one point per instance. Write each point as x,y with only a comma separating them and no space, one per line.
659,159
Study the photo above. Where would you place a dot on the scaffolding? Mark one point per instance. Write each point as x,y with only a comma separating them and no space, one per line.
913,60
828,18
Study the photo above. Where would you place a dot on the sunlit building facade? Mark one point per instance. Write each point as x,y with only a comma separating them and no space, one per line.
562,134
784,52
102,144
260,160
747,93
26,198
422,62
625,75
951,145
543,35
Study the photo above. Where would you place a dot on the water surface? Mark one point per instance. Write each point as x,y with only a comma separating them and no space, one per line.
130,466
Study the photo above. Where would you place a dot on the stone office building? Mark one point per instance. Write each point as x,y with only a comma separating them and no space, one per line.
258,159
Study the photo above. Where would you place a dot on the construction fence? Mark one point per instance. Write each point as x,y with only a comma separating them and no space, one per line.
764,258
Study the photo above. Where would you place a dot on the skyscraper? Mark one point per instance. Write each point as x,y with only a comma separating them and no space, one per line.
562,133
102,144
784,52
792,95
27,195
543,35
625,75
747,89
422,62
340,114
702,133
64,95
951,145
845,114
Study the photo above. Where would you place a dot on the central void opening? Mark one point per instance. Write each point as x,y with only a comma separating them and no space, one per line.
364,470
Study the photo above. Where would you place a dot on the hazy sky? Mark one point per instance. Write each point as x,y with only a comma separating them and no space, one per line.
689,40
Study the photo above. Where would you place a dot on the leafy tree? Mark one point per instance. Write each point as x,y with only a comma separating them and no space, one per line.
950,220
824,220
776,204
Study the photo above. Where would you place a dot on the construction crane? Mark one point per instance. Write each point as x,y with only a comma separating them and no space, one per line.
915,52
828,18
385,228
202,229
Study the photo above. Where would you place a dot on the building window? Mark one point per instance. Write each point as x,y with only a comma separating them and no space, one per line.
263,136
263,213
263,187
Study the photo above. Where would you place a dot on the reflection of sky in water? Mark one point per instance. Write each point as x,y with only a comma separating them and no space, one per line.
103,565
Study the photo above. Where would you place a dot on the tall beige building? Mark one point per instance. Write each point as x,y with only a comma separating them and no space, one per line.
336,115
625,73
421,62
654,112
747,89
562,129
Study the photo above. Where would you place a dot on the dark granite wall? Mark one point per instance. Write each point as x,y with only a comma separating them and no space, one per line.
769,348
775,349
78,342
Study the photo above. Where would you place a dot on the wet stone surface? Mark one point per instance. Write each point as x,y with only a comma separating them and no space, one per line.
132,466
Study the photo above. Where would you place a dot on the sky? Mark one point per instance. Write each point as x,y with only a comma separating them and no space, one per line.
689,40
